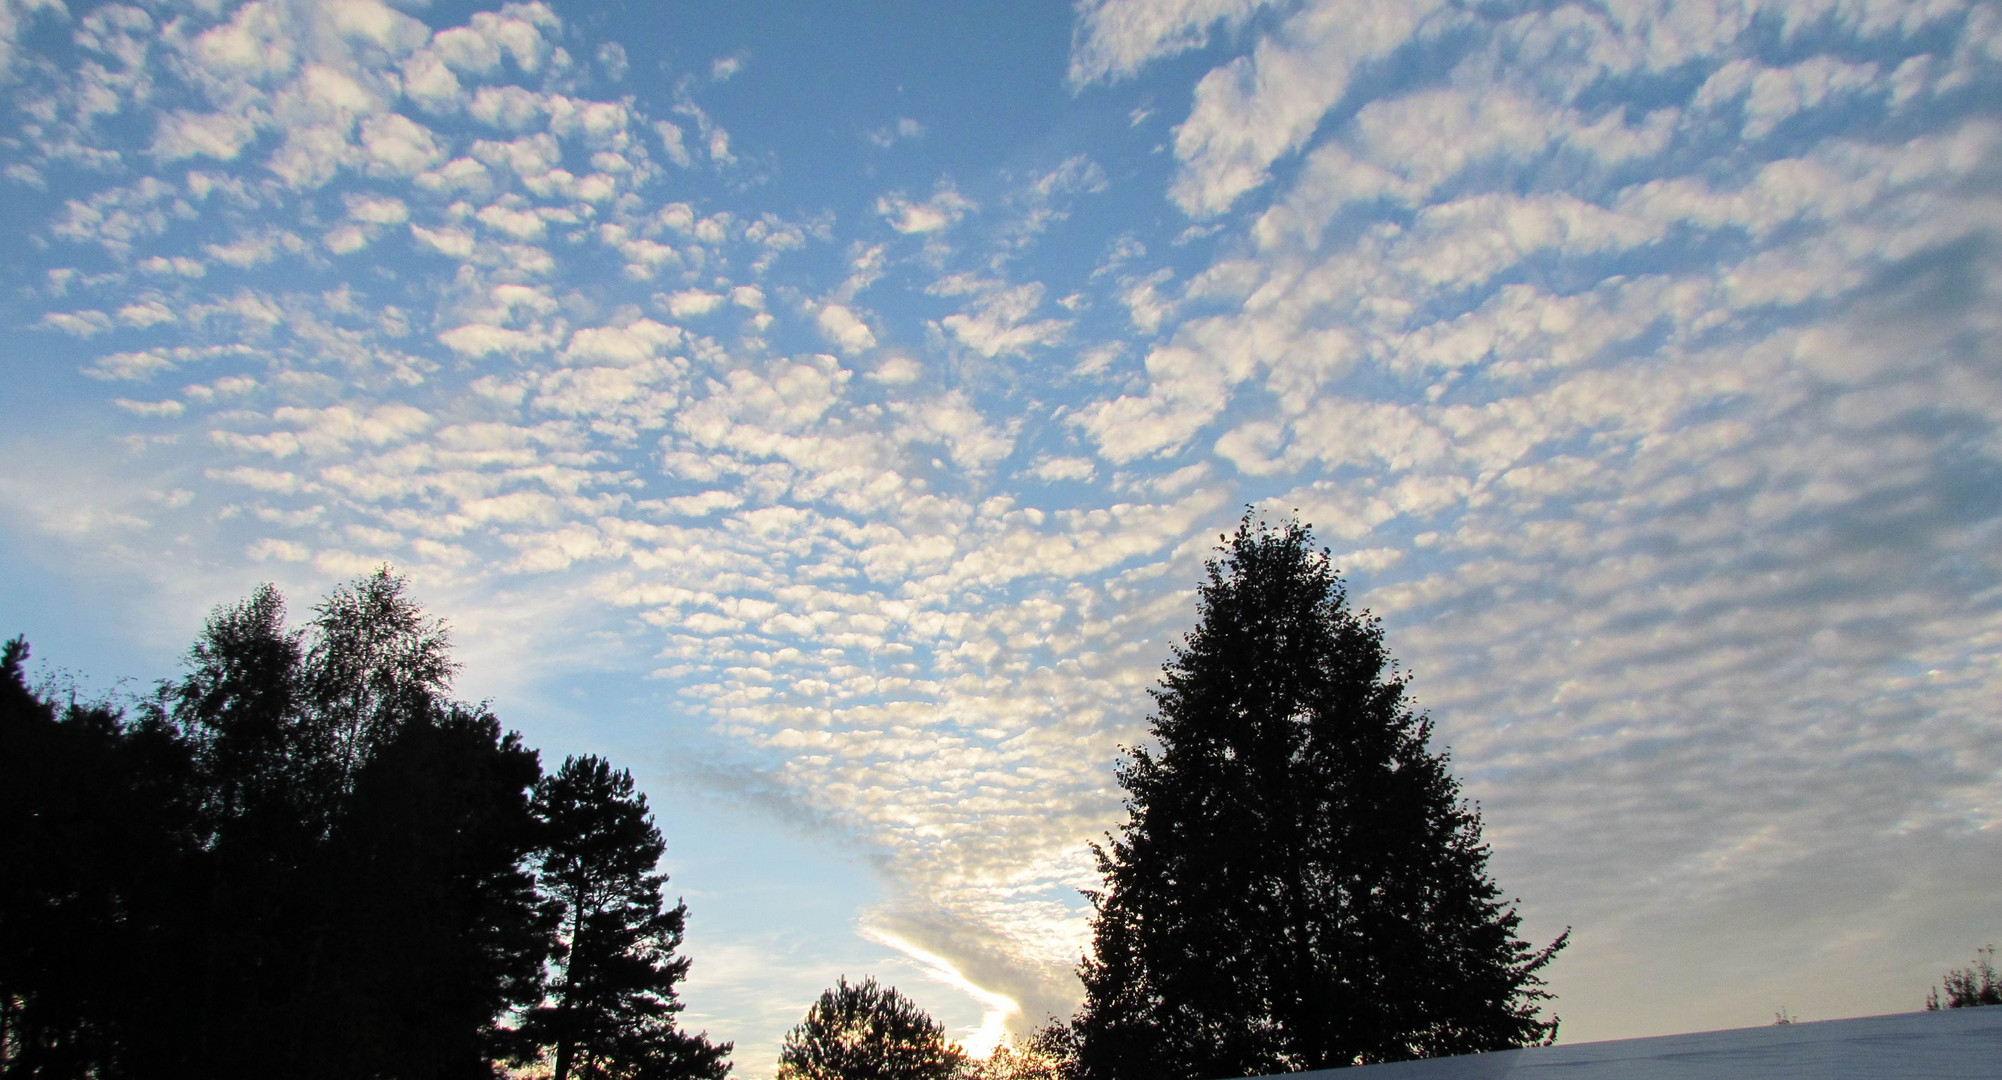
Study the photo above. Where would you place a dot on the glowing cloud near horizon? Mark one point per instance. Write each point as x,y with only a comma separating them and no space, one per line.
995,1007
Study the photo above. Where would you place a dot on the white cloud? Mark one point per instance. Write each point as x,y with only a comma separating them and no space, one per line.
840,325
517,34
1002,320
271,549
458,243
1256,108
897,370
530,156
180,265
671,141
254,45
253,249
1186,392
146,313
150,408
518,223
377,24
694,303
641,339
970,441
1144,303
942,211
1053,469
509,107
84,324
428,80
399,146
482,339
221,136
1114,38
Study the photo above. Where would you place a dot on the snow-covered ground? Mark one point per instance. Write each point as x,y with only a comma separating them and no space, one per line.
1957,1044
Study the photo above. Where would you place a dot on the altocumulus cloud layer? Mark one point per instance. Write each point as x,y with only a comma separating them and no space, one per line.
1638,360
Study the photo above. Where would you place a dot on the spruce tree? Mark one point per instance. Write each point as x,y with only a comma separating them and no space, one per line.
862,1031
612,1002
1299,884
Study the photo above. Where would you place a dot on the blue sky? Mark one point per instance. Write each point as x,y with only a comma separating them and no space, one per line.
825,410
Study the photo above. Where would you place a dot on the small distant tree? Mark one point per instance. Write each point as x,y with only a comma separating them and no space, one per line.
862,1031
612,1001
1969,986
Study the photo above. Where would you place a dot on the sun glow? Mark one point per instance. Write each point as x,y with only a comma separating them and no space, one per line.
995,1007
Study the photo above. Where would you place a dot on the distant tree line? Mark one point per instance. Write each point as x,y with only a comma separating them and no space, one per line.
304,858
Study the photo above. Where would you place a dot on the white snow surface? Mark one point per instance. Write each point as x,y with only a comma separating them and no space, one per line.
1954,1044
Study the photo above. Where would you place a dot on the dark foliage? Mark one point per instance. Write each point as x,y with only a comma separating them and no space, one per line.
98,827
1299,884
612,1002
301,859
862,1031
1969,986
1048,1054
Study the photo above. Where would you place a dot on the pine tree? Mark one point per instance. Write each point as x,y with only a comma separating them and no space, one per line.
1299,884
612,1002
862,1031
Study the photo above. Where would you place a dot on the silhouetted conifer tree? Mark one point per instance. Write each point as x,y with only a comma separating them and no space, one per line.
862,1031
612,1000
1299,884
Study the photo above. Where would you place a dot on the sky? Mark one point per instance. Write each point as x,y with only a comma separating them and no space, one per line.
825,411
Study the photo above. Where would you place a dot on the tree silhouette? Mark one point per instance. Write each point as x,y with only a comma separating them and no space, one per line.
375,664
95,827
303,858
1299,884
1044,1055
364,905
862,1031
1970,986
433,897
612,1002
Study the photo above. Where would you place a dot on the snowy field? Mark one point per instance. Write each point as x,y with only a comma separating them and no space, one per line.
1957,1044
